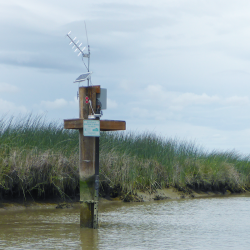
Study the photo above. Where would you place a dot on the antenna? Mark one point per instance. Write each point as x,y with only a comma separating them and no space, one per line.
78,48
86,33
88,46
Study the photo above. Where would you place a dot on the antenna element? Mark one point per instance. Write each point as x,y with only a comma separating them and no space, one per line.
76,46
80,50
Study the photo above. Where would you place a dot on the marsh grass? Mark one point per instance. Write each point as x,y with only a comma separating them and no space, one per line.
147,161
39,159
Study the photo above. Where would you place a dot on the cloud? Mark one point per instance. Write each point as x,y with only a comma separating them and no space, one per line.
8,88
236,101
187,99
59,103
157,104
179,100
10,107
164,54
42,59
127,86
137,112
111,104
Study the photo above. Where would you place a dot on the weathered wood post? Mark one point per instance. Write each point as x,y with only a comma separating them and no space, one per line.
89,155
89,203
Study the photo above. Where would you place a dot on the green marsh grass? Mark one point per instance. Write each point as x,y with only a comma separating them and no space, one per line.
147,161
39,159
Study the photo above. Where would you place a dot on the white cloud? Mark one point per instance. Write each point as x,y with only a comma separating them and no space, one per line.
191,99
194,99
33,12
10,107
7,88
236,101
140,113
156,104
59,103
126,85
111,104
178,45
177,100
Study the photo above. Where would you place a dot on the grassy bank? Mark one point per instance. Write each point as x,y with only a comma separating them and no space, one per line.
39,159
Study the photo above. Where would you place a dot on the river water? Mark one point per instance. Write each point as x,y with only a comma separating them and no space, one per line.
211,223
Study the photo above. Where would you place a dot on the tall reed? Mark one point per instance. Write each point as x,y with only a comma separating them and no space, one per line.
37,158
153,161
40,159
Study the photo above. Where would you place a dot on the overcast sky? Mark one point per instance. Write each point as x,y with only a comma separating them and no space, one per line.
177,68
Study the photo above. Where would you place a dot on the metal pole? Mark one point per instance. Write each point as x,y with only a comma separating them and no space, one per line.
95,222
88,61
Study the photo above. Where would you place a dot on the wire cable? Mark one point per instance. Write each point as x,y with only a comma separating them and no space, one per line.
85,64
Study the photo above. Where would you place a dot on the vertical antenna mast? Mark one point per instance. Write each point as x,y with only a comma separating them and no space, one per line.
88,47
88,61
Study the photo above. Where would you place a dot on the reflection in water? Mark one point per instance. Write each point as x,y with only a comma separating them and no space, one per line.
88,238
214,223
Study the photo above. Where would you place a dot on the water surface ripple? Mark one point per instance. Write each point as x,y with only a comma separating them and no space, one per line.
211,223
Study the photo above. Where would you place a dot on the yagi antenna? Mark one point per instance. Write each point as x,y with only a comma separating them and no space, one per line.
76,46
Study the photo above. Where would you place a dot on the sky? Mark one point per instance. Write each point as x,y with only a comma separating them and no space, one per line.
175,68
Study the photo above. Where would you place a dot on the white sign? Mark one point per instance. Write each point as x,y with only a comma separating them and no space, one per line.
91,128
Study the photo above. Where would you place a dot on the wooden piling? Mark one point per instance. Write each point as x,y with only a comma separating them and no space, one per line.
87,148
89,156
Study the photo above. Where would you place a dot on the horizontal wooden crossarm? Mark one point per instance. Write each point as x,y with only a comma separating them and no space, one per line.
111,125
73,123
105,125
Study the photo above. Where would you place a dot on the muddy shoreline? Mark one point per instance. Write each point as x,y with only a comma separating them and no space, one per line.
147,196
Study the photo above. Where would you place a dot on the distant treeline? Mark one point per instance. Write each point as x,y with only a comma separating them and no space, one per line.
39,160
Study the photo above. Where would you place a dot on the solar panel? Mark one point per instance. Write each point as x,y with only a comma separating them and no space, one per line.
83,77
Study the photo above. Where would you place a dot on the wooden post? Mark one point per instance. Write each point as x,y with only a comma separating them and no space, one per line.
89,157
87,163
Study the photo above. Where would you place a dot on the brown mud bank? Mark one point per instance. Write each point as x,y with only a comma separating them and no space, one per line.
116,194
174,193
170,193
18,204
147,196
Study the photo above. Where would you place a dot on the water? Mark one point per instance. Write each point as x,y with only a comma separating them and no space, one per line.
212,223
